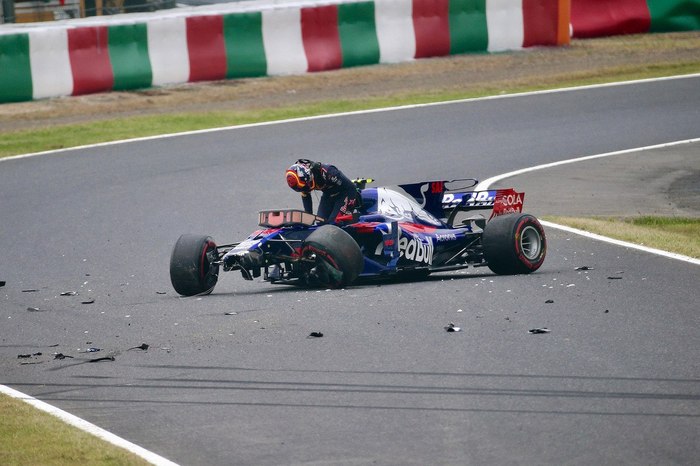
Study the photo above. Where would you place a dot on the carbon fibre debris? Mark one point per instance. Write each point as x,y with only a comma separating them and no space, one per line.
142,346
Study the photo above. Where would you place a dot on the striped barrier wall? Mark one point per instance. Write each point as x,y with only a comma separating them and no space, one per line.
597,18
75,58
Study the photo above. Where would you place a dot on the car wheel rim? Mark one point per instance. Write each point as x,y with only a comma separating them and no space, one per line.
530,242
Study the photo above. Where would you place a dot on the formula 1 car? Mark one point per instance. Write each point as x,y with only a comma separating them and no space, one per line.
407,230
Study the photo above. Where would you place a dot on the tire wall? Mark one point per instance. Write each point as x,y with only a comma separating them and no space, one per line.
115,53
597,18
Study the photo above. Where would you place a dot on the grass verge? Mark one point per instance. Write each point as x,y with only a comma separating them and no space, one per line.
674,234
30,436
106,130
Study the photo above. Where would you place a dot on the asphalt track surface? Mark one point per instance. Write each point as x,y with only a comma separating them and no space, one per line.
232,378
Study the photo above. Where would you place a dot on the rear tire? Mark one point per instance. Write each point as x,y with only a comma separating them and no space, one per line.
514,244
339,260
192,268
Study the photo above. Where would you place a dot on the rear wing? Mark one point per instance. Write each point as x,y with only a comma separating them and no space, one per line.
444,199
501,201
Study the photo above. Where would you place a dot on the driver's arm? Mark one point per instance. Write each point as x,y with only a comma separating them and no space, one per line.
308,202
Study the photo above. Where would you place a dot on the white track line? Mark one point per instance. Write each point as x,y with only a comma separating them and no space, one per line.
358,112
484,185
625,244
88,427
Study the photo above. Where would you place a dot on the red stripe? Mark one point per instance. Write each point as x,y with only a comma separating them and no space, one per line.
319,31
431,24
540,22
88,49
418,228
206,47
595,18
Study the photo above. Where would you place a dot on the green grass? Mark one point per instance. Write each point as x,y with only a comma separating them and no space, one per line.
29,436
674,234
73,135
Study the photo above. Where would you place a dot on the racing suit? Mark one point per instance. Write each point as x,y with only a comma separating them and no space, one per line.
339,194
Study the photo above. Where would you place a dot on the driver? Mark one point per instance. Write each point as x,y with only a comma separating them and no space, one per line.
340,196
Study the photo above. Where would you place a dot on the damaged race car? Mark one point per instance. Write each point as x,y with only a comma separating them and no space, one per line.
408,230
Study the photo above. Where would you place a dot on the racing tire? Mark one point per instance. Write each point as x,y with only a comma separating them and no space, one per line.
339,260
193,270
514,244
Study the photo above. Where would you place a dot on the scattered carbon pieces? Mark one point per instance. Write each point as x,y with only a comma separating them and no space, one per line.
61,356
31,290
614,278
161,292
92,350
88,301
2,283
69,293
584,267
549,301
536,331
142,346
452,328
24,356
315,335
231,313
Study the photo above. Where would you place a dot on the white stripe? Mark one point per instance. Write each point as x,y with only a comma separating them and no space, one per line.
167,50
504,22
357,112
484,185
50,62
625,244
284,46
395,33
88,427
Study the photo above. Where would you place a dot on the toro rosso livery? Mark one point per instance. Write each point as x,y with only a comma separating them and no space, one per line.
411,229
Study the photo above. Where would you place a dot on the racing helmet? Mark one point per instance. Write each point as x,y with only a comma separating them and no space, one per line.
300,178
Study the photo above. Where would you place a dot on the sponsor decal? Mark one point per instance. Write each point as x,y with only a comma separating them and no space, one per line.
414,249
442,237
471,199
508,201
437,187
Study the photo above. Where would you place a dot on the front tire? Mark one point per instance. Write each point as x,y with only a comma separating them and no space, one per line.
514,244
338,258
192,267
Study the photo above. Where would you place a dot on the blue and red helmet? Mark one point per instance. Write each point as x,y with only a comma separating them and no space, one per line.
300,178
